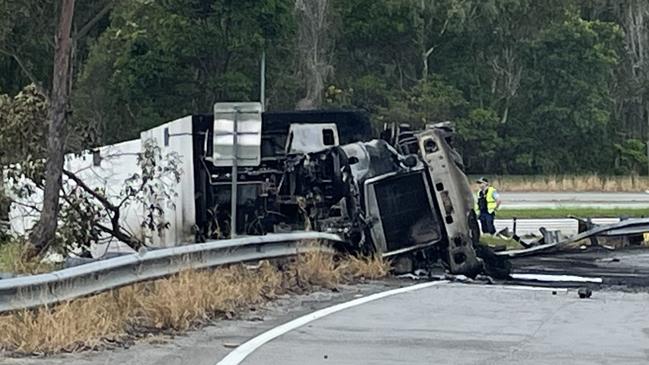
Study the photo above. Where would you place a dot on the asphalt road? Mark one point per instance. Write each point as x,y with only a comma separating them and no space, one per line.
587,200
442,324
464,324
206,346
624,269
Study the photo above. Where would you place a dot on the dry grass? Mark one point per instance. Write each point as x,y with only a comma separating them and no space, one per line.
177,303
371,268
72,326
575,183
316,269
12,260
190,298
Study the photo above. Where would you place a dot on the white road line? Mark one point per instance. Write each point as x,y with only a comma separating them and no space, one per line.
557,278
240,353
526,287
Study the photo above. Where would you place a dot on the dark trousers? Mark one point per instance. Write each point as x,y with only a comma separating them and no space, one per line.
487,222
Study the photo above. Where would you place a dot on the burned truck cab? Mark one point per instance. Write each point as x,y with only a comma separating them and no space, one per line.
449,189
454,196
395,196
402,195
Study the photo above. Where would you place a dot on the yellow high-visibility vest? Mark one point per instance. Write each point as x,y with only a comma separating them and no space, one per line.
491,200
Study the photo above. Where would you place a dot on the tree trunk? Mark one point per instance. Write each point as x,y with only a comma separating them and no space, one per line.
44,231
314,45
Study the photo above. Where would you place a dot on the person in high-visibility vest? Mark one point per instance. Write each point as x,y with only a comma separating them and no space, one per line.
487,202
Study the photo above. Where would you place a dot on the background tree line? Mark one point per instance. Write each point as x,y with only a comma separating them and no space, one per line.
534,86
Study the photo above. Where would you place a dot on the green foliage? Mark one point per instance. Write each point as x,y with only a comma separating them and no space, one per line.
26,37
429,101
528,83
568,99
479,141
89,215
534,87
22,125
632,156
154,187
162,60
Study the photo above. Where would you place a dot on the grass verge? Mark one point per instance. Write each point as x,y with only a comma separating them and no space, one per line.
543,213
175,304
571,183
493,241
12,260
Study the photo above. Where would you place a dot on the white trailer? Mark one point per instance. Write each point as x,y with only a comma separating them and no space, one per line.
107,168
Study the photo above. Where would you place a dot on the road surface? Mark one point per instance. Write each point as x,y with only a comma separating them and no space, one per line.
464,324
586,200
441,324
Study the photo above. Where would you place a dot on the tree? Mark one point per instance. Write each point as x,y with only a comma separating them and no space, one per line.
43,234
632,156
510,58
26,41
568,99
631,87
430,101
479,140
432,20
44,231
22,131
157,61
314,46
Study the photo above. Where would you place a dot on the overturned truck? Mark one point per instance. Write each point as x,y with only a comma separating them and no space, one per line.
402,195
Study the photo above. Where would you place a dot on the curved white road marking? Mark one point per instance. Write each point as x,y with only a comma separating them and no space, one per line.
240,353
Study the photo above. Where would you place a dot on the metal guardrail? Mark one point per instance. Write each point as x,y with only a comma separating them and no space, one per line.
46,289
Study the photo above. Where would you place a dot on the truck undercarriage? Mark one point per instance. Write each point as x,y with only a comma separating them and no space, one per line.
402,195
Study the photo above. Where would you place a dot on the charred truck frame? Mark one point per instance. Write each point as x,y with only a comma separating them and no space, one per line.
401,195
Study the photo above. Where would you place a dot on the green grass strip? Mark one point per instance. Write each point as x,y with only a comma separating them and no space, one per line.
494,241
564,212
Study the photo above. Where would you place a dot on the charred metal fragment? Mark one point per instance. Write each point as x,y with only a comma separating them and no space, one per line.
629,227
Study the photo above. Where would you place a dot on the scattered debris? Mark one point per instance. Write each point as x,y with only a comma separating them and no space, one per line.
626,229
584,293
411,276
612,259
